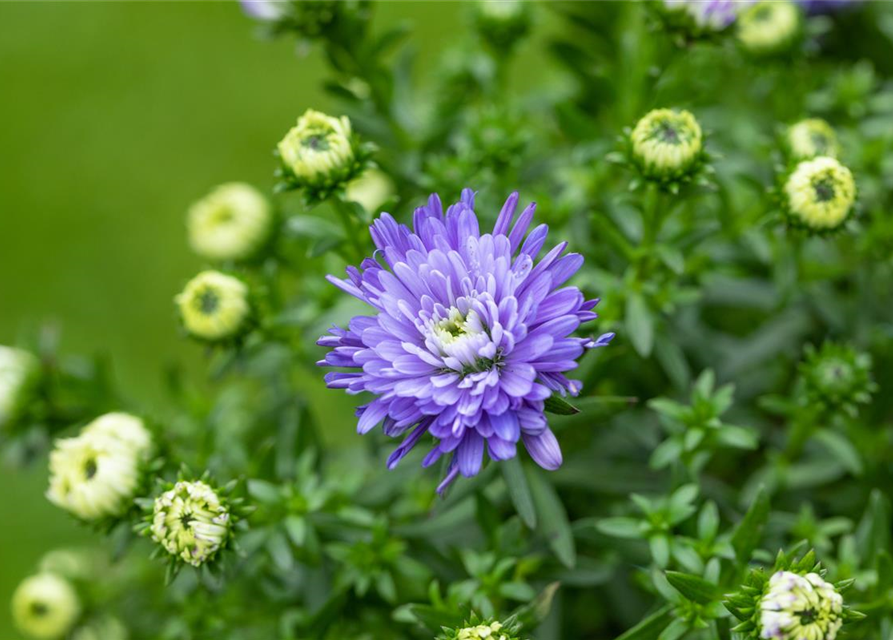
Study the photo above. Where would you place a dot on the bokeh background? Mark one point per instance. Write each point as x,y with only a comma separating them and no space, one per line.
115,116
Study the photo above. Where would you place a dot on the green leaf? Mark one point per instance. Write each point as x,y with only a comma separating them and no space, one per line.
747,534
559,406
660,549
620,527
675,630
873,532
639,324
693,587
842,449
651,627
264,491
296,527
519,490
553,522
708,521
432,619
532,614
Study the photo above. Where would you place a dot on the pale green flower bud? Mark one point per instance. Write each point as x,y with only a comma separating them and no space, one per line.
45,607
319,152
769,27
231,223
96,474
667,144
502,23
796,607
810,138
19,372
106,628
371,189
819,194
191,522
215,306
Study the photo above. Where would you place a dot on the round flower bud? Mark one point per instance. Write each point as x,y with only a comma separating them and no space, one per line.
810,138
836,378
191,522
319,151
96,474
796,607
819,194
481,631
107,628
215,306
667,144
371,189
769,27
231,223
45,607
502,23
19,372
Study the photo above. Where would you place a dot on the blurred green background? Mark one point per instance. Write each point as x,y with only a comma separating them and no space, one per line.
115,117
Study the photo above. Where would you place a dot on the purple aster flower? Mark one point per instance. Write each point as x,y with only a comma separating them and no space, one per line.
468,337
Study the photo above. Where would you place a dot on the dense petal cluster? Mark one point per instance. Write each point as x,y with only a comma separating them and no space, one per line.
484,631
799,607
469,335
667,144
191,522
769,27
230,223
19,371
820,194
45,606
215,306
319,151
95,474
810,138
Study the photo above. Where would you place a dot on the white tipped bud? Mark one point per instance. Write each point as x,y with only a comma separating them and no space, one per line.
45,607
232,222
215,306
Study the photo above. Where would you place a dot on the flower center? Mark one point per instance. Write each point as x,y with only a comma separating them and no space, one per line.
665,132
762,14
463,341
317,142
39,609
452,327
824,190
207,301
820,142
807,617
90,468
222,215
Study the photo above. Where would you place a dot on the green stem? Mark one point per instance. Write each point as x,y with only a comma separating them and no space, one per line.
353,234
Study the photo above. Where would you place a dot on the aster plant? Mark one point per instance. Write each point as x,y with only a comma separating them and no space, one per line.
679,459
470,336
